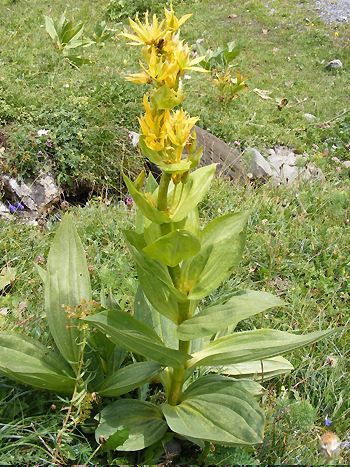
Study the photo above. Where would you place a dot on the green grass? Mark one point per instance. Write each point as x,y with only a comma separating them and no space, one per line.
284,50
298,239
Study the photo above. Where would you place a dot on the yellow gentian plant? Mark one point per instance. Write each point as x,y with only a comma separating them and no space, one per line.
205,369
178,265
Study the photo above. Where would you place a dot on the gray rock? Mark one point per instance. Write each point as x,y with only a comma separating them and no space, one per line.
309,117
215,150
333,10
37,195
4,212
334,65
289,173
259,167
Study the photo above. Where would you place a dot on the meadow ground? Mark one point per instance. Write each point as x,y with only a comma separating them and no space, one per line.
298,240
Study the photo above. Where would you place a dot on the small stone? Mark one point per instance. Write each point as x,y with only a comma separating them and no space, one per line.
334,65
259,167
289,173
346,164
309,117
4,311
134,138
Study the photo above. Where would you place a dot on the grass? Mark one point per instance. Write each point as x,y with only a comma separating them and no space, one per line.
297,244
284,50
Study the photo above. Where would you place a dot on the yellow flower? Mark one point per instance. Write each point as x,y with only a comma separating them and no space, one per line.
149,34
178,128
153,127
159,70
182,57
171,22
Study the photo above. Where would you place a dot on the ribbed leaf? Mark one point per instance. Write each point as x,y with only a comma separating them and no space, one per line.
155,281
144,311
143,420
113,441
50,28
126,331
27,361
220,411
222,243
240,306
145,205
173,248
192,192
252,345
259,369
221,384
128,378
67,284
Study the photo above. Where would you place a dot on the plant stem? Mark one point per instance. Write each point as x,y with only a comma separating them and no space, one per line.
163,192
179,374
178,377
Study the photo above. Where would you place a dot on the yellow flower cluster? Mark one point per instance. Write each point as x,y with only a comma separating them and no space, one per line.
164,130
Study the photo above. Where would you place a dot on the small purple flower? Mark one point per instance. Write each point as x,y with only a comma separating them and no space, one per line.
49,143
237,143
327,421
12,208
128,201
19,205
346,444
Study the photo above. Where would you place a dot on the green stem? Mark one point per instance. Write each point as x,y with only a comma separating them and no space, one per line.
163,192
179,374
178,377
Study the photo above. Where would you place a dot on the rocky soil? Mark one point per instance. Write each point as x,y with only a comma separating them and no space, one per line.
334,10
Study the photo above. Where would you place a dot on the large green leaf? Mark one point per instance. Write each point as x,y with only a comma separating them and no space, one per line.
221,384
128,378
27,361
114,440
222,246
144,311
126,331
146,204
240,306
178,167
67,285
252,345
143,420
156,282
50,28
150,187
191,192
173,248
220,410
259,369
